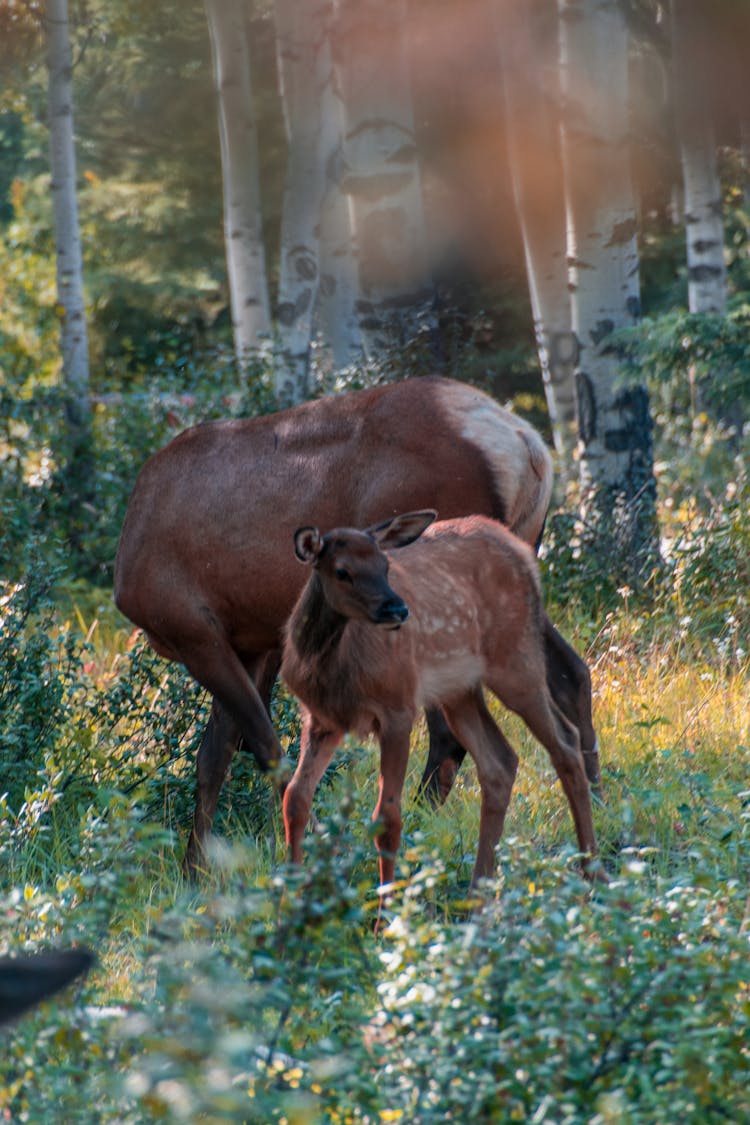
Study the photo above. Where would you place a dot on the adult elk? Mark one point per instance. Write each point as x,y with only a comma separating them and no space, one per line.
468,596
204,567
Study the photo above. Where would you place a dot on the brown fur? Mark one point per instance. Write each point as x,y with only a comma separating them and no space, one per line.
204,566
475,618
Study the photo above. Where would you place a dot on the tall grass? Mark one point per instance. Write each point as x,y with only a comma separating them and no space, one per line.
262,995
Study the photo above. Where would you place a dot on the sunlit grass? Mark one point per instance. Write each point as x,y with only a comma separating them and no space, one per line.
674,735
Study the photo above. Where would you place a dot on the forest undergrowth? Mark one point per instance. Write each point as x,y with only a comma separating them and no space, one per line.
262,995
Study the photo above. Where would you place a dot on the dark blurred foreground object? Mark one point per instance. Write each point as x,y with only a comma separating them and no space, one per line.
27,979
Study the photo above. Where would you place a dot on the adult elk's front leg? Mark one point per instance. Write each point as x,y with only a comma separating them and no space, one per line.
237,710
220,740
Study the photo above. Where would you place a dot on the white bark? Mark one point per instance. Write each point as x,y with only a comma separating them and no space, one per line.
616,458
532,119
306,75
337,298
382,172
70,298
704,229
243,222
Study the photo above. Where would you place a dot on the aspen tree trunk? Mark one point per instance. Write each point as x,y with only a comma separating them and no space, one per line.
704,229
382,173
306,77
70,299
745,149
615,428
243,222
532,120
337,297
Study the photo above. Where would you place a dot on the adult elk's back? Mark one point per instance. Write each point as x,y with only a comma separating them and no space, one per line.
204,565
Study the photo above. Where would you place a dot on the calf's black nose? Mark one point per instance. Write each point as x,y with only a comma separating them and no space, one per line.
393,612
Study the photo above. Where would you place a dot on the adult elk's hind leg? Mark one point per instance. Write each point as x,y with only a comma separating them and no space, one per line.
220,740
569,682
268,671
496,763
444,759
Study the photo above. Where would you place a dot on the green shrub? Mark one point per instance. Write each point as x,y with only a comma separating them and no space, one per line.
266,999
554,1005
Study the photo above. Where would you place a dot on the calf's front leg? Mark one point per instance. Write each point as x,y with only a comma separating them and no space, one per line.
316,750
394,755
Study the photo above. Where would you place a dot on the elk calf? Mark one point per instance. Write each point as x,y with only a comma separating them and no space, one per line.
375,637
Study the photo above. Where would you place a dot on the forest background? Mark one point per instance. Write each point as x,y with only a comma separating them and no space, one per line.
283,200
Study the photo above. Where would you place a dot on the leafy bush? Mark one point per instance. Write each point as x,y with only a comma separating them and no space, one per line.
553,1005
74,729
265,1000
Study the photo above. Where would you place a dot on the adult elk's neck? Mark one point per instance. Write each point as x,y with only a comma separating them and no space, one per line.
315,627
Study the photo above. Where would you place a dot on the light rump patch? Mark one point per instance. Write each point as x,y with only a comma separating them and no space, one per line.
518,459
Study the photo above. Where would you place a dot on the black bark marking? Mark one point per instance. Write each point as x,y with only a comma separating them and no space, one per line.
703,273
601,330
327,285
563,349
305,265
633,305
285,314
635,433
622,232
302,304
703,245
585,407
289,312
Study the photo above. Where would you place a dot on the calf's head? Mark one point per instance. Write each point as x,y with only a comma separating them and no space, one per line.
353,568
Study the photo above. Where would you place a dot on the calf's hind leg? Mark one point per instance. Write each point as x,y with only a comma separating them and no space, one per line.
560,739
496,763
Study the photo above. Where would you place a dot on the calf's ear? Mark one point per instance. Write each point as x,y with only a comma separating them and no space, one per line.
308,543
402,530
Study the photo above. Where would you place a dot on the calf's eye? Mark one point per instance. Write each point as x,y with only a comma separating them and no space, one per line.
342,575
